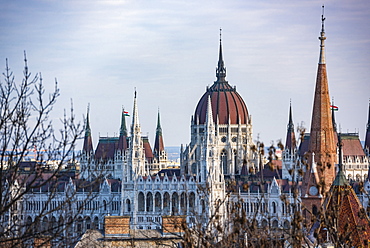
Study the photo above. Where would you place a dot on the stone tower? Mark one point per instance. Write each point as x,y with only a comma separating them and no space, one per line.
321,155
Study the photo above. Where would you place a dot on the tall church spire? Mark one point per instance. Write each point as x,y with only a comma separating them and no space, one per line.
290,142
87,146
158,144
220,70
322,148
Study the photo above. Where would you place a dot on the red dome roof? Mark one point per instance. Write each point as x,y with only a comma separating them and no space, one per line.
226,102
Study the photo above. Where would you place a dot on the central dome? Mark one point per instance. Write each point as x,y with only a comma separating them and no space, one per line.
227,105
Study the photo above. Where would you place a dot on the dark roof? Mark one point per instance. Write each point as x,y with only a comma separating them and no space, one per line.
106,148
351,145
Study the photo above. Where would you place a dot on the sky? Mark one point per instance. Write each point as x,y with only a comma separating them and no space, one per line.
101,51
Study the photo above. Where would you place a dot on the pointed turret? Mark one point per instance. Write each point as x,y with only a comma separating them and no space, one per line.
122,141
209,117
220,70
290,143
137,158
87,146
367,137
158,144
322,142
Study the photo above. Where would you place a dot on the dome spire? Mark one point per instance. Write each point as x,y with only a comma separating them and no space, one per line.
322,38
220,70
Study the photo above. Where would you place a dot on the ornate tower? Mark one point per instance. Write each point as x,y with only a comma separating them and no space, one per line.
321,157
232,123
136,156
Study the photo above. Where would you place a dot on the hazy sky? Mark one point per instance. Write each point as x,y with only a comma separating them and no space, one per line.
99,51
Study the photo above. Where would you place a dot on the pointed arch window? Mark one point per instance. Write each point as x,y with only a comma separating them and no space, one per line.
223,159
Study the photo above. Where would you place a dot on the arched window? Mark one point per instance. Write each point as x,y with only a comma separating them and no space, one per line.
79,225
141,202
45,224
203,206
223,159
128,205
96,222
105,205
274,207
264,223
275,224
149,202
175,203
157,202
192,201
88,223
183,203
166,203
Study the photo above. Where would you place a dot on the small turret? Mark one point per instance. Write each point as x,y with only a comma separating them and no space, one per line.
122,141
290,143
158,144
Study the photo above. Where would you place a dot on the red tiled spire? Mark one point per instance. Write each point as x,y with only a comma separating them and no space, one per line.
158,144
290,142
321,149
87,146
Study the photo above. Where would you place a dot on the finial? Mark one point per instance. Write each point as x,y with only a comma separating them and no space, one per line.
322,38
322,18
135,93
220,70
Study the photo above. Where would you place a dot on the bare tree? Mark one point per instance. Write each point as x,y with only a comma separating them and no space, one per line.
37,166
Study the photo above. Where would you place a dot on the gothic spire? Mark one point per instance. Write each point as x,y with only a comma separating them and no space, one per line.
220,70
158,144
322,142
290,142
87,146
135,117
